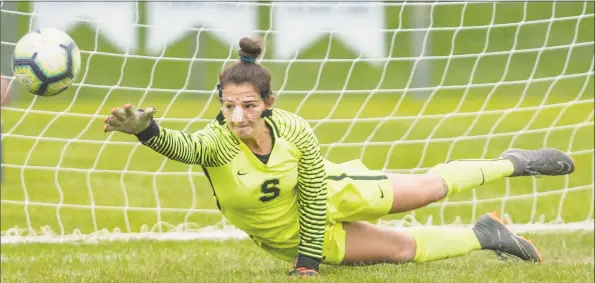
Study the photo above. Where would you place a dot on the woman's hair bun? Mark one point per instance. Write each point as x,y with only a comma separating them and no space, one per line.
250,49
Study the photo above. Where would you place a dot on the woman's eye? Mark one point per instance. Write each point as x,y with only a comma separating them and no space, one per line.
229,107
249,105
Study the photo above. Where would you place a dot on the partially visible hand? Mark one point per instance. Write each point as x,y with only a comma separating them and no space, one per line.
4,90
303,272
128,120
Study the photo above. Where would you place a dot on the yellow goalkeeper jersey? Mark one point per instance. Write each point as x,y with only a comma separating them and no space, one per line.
282,202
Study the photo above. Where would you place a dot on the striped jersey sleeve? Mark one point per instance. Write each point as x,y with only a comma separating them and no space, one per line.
312,191
207,147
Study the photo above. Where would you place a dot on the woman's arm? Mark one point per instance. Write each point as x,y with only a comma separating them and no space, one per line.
179,146
206,147
312,199
4,90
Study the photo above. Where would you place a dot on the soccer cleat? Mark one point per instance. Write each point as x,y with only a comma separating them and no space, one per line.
493,235
545,161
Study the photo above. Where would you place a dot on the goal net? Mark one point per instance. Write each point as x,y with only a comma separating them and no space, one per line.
401,86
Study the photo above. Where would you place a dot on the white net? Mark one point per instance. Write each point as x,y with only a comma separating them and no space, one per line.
376,83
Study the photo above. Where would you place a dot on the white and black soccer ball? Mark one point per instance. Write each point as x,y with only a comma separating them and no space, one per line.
46,61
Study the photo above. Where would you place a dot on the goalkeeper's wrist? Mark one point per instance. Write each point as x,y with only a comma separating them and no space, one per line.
304,261
151,131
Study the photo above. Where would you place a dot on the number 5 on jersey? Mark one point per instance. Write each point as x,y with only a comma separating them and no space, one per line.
270,189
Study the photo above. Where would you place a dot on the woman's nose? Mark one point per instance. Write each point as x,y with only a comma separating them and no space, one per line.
237,115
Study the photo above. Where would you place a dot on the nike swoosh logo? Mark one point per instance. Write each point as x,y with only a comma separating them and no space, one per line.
381,193
565,166
240,173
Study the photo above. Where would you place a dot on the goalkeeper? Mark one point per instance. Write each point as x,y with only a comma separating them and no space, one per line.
271,181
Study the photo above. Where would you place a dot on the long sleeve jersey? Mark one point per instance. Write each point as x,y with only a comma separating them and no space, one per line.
280,203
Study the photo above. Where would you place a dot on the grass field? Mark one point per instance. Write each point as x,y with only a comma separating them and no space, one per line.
567,258
63,174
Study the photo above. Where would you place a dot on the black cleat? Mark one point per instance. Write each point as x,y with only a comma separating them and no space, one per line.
493,235
545,161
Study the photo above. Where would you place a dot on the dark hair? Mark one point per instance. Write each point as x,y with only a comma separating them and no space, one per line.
246,70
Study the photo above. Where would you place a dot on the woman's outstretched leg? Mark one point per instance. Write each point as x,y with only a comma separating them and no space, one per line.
370,244
415,191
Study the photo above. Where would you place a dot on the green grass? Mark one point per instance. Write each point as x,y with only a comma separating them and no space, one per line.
567,258
523,99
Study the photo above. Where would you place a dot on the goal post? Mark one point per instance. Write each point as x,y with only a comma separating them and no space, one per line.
496,76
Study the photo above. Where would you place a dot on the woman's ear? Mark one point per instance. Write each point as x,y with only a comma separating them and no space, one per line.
268,102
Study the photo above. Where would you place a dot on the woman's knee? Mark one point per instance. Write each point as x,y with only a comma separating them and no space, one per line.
436,183
404,247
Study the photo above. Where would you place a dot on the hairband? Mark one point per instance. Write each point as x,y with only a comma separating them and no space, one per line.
248,59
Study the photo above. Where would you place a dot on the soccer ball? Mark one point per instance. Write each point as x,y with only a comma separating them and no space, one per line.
46,61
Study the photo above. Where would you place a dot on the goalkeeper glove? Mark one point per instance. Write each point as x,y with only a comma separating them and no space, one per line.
305,266
128,120
303,272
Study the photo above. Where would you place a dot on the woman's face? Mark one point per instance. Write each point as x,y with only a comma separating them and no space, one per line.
242,107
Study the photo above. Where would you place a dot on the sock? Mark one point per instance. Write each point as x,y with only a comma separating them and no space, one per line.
433,243
460,175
